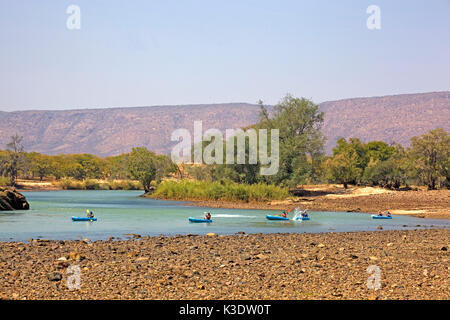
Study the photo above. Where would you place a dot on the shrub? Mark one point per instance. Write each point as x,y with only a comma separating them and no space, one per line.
227,191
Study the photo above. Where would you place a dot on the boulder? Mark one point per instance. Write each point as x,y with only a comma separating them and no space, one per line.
10,199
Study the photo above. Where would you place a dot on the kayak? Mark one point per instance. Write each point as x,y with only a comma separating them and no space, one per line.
380,217
269,217
197,220
83,219
303,218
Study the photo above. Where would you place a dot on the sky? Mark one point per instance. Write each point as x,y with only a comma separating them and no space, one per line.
171,52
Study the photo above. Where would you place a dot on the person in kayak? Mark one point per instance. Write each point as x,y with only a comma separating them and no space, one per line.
388,214
284,214
90,214
305,213
207,216
380,214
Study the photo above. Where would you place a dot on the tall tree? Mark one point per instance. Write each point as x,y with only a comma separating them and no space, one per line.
15,159
142,166
430,156
301,141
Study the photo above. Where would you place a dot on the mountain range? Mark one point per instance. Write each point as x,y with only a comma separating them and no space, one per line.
112,131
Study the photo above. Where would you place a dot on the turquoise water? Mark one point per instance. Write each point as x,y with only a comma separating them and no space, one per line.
122,212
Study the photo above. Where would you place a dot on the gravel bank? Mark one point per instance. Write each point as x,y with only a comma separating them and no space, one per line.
413,265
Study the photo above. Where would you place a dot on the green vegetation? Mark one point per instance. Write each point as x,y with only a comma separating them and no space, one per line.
147,167
229,191
430,154
376,163
84,171
302,161
92,184
300,147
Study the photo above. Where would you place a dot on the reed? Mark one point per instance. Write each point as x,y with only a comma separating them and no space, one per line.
228,191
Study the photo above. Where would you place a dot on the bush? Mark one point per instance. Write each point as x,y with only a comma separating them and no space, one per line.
4,181
227,191
91,185
71,184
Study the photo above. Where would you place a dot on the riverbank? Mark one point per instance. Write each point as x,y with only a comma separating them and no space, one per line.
24,185
413,265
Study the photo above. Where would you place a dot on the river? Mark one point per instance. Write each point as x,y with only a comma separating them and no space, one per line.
123,212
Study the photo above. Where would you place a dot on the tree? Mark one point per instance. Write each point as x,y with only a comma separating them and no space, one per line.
141,166
41,165
301,140
15,159
343,169
430,157
146,166
389,173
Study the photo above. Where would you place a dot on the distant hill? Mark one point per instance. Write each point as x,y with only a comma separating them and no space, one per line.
390,118
116,130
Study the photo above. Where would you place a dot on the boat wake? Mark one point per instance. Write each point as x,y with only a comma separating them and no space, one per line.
231,216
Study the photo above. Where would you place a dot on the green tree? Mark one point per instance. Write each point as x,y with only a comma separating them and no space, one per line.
299,122
430,156
343,168
142,166
41,165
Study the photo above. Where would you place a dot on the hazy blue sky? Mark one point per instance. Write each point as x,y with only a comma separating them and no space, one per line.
140,53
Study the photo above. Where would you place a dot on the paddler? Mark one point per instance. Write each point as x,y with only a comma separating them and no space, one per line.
90,214
207,216
284,214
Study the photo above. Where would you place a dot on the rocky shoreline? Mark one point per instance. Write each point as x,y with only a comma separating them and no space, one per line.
411,264
10,200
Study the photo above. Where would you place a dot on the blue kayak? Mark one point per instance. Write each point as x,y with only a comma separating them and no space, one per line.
269,217
380,217
197,220
303,218
83,219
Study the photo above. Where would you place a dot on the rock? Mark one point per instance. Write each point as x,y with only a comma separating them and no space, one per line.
373,258
10,200
141,259
54,276
380,228
75,256
444,249
211,234
320,245
390,244
15,273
